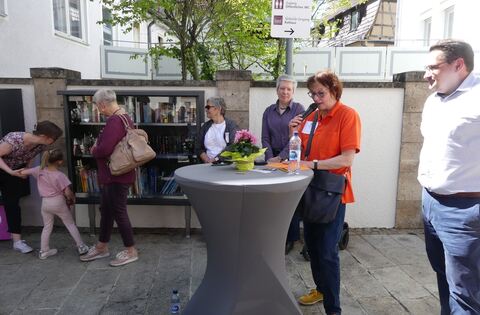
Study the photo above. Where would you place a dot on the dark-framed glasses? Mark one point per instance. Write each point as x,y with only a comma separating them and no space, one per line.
431,68
313,94
207,107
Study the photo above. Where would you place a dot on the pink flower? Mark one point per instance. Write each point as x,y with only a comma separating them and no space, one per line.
245,135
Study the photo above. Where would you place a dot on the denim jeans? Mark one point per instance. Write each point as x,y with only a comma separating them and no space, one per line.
322,242
294,228
452,240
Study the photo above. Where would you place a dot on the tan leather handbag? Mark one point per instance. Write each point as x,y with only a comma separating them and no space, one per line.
132,151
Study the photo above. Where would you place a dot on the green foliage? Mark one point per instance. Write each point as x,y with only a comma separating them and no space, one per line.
212,34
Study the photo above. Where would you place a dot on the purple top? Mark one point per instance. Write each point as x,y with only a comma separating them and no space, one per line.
50,183
111,134
275,129
20,155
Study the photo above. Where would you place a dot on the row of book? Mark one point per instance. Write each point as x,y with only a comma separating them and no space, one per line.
141,109
149,181
160,144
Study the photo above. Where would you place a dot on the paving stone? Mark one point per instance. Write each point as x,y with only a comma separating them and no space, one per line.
422,306
405,256
359,286
382,306
422,273
399,283
385,272
173,272
412,241
366,254
91,292
382,241
349,304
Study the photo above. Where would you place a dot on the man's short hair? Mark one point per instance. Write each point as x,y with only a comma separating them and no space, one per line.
454,49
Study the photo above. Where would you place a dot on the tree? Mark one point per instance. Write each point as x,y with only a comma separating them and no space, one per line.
187,20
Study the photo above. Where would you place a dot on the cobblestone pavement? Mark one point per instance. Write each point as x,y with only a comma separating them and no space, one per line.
383,272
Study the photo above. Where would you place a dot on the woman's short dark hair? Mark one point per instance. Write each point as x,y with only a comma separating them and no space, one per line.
49,129
329,80
453,49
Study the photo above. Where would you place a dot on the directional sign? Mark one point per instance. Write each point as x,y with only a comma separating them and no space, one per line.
291,18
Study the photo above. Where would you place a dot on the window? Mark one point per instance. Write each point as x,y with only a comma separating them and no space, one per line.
107,27
427,28
354,20
448,23
69,17
3,7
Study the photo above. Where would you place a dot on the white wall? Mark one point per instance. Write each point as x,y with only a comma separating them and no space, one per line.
412,13
375,169
28,40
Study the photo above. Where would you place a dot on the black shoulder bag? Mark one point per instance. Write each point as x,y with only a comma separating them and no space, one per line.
320,201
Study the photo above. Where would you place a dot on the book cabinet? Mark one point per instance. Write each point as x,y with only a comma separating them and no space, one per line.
172,120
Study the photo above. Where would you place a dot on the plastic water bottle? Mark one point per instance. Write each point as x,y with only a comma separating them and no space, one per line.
175,303
294,146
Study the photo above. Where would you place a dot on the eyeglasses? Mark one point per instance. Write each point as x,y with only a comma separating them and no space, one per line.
313,94
207,107
430,68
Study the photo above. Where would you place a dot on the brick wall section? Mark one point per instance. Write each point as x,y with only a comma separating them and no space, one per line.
46,83
408,214
234,87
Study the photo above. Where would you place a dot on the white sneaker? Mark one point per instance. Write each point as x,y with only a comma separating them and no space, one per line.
82,249
22,247
48,253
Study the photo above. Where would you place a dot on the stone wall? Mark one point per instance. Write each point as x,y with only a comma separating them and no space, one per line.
408,214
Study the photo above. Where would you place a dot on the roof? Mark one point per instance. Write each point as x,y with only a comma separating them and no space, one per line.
345,36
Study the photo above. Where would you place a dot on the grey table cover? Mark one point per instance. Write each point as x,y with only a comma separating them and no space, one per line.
245,219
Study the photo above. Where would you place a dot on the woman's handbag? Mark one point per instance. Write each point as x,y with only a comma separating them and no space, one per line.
323,196
319,203
132,151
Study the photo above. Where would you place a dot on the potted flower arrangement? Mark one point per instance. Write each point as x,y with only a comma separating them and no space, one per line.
243,151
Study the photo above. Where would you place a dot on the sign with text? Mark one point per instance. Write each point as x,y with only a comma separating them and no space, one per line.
291,18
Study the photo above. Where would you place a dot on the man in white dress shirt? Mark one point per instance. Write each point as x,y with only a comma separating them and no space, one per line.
449,172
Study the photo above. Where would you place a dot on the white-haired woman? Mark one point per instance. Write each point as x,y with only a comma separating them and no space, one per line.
216,133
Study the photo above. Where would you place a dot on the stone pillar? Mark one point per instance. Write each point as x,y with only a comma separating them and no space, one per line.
234,87
408,212
46,83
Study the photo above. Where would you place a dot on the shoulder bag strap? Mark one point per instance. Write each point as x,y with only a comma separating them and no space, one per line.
125,121
310,137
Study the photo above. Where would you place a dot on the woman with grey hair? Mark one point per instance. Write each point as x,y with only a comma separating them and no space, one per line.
216,133
275,136
114,189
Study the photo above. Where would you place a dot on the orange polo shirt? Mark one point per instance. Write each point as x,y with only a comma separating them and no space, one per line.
338,131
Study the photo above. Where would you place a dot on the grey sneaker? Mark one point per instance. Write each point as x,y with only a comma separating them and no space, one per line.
48,253
82,249
93,254
22,247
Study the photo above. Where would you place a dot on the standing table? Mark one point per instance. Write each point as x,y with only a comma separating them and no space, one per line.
245,219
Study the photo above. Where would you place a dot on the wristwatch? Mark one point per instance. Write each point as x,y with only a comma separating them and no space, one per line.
315,164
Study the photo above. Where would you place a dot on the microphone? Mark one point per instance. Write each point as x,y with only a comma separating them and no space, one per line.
309,110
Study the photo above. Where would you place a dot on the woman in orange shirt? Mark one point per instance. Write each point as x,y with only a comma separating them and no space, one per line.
335,142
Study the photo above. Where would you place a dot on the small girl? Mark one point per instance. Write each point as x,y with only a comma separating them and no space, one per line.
54,188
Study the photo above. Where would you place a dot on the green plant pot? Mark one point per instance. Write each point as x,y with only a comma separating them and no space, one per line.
244,166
